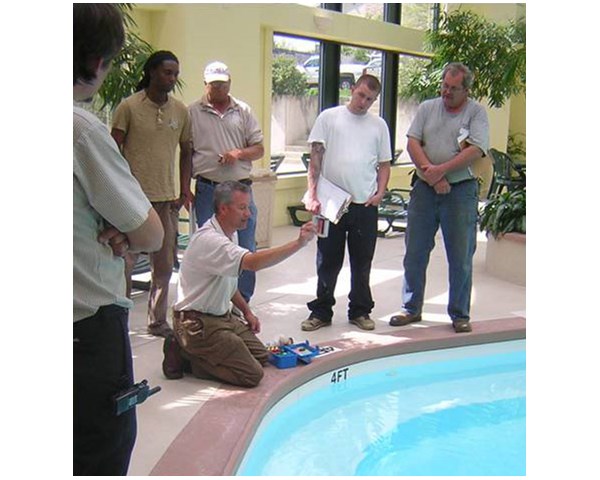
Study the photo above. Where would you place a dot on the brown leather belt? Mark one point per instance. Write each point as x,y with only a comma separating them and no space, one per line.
194,314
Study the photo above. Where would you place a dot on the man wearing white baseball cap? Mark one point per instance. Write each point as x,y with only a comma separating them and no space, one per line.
216,72
226,140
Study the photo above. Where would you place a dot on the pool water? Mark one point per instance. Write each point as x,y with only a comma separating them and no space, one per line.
458,411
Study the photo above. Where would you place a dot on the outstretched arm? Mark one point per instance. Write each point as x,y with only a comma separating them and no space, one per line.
255,261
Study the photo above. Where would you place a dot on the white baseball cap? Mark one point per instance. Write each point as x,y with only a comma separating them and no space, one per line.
216,72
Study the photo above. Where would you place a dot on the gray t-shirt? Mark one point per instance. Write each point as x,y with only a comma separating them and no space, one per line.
441,132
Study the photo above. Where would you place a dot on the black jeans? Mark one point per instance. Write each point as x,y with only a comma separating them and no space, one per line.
102,366
359,227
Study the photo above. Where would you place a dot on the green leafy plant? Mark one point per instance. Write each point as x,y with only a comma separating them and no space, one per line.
504,213
287,79
495,53
515,146
127,68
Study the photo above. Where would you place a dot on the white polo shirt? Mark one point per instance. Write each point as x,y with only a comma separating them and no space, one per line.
209,271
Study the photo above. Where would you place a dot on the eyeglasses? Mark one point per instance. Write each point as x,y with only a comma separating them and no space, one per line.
159,116
217,84
450,89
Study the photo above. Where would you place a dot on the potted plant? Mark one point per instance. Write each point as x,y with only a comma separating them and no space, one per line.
503,219
504,213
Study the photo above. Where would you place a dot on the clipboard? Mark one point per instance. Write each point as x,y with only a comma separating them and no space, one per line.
333,199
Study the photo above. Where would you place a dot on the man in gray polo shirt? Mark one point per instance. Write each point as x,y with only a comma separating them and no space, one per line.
447,135
226,140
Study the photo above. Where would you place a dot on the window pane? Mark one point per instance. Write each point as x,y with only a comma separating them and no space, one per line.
417,15
372,11
353,63
310,4
295,102
406,108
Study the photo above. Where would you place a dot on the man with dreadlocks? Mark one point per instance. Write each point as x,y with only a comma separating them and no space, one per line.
148,126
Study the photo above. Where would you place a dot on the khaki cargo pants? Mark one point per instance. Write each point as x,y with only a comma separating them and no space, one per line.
221,347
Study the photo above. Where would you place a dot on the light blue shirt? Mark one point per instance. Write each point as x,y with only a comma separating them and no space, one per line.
104,191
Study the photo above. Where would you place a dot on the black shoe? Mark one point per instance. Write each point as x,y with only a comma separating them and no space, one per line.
173,362
160,330
404,319
462,326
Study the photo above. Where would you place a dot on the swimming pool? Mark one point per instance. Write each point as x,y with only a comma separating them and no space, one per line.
458,411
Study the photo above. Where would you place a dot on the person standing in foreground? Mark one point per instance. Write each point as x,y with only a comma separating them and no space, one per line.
351,148
215,341
148,126
111,215
226,140
447,135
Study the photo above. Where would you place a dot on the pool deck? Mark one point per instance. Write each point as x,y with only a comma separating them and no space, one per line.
201,427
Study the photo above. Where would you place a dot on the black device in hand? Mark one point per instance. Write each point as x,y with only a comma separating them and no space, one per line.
133,396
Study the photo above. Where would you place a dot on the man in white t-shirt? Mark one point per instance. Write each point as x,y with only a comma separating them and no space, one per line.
351,148
216,342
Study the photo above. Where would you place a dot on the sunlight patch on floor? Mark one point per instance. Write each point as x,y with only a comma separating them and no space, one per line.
343,284
198,398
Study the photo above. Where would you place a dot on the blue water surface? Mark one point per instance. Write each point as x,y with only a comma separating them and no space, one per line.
464,415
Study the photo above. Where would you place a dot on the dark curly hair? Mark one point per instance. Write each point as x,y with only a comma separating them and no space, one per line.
98,33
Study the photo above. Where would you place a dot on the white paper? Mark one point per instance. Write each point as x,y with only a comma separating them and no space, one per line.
334,200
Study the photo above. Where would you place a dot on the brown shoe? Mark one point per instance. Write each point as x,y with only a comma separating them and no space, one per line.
462,326
404,319
173,362
313,323
363,322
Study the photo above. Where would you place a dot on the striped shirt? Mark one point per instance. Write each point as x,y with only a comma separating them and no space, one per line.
104,191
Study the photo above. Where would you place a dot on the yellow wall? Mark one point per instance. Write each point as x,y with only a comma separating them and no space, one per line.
241,36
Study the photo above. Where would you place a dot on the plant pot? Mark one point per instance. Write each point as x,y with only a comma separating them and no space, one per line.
505,257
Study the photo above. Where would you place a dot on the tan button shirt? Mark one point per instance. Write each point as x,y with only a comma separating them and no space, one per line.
214,133
153,134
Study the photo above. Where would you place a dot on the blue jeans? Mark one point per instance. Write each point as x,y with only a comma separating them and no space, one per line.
456,213
203,207
359,227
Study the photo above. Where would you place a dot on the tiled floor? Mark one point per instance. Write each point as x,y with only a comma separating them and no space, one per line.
280,303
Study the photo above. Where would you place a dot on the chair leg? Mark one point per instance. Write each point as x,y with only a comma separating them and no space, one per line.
492,189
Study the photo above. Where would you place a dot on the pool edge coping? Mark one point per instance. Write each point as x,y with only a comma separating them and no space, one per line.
215,439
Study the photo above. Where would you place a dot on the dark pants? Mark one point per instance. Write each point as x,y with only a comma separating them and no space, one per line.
102,366
359,227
